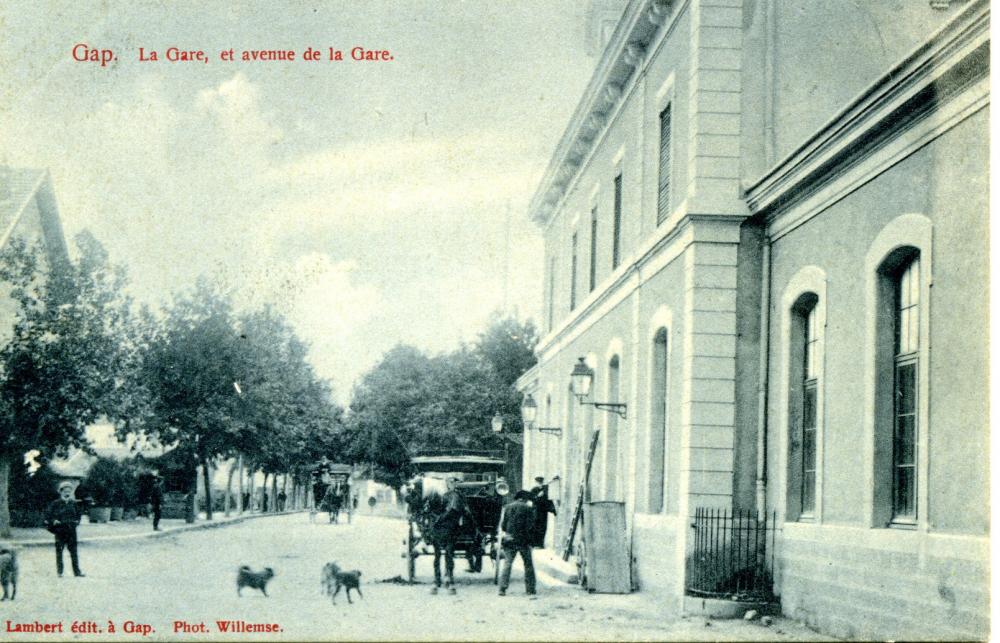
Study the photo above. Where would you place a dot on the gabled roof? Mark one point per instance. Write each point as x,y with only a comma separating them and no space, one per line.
19,189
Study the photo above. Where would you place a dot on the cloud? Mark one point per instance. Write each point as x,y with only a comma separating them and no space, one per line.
234,107
323,301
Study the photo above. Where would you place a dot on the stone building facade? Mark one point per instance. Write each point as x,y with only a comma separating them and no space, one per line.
766,232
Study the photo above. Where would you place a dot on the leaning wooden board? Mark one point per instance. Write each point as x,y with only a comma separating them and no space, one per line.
608,567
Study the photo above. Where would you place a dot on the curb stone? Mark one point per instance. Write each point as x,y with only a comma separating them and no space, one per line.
120,538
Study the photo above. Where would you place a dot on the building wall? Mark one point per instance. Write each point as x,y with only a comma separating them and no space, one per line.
809,58
934,576
746,79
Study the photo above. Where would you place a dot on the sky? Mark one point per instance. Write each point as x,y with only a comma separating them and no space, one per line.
373,203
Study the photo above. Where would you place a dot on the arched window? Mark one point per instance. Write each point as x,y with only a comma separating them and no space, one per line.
801,394
803,407
611,473
658,423
897,424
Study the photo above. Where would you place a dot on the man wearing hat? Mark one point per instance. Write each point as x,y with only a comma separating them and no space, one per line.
543,507
447,528
61,518
517,528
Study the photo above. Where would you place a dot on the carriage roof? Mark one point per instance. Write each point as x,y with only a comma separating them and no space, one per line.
457,463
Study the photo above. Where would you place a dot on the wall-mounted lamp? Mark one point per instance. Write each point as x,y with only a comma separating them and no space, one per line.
581,380
529,410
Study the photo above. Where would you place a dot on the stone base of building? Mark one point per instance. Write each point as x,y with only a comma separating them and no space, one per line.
856,583
658,570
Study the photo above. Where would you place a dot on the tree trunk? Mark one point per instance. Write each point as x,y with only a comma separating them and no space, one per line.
239,502
229,487
252,472
274,493
5,461
191,502
207,473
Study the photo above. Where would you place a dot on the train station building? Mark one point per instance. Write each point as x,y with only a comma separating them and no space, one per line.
766,236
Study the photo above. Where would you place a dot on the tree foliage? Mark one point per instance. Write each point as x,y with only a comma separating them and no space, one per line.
411,402
71,354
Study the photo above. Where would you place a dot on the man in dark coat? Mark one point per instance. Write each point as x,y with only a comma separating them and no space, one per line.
156,501
61,518
447,528
517,528
543,507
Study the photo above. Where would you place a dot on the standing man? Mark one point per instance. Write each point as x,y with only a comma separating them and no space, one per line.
516,532
543,507
447,529
61,518
156,500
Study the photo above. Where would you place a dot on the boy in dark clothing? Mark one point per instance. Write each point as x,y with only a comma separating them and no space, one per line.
517,528
61,518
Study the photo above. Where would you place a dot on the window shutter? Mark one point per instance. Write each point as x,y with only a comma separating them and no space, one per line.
663,200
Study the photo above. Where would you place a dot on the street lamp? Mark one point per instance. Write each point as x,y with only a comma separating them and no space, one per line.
529,410
497,423
581,380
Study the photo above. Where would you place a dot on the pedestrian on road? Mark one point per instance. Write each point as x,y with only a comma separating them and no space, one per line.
543,507
61,518
446,530
156,501
516,532
282,498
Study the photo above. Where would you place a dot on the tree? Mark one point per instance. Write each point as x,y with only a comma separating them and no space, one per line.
508,347
191,363
69,358
410,402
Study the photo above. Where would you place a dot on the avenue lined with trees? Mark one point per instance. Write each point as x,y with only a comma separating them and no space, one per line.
215,384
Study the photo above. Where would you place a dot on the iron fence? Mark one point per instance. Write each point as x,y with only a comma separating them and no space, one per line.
733,555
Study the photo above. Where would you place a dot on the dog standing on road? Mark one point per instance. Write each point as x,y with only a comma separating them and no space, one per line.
333,579
8,573
246,577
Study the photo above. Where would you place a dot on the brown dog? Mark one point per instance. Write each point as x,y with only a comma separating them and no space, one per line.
333,579
246,577
8,573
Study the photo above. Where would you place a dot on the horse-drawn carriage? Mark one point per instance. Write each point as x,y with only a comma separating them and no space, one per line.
480,483
332,488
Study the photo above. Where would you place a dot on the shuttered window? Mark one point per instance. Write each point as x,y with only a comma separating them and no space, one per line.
617,225
593,249
663,200
572,275
552,292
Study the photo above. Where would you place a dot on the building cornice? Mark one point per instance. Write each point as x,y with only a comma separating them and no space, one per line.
950,61
625,53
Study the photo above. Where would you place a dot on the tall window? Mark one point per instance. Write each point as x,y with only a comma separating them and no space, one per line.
663,199
809,371
617,224
614,391
658,423
552,293
904,442
572,274
593,249
803,387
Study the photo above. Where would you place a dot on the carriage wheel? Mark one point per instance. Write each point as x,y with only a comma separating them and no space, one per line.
411,558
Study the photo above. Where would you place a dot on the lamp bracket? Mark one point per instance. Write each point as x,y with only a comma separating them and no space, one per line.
612,407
